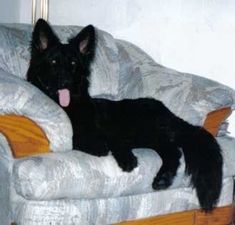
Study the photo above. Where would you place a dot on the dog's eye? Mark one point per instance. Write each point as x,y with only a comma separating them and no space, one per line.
53,61
73,63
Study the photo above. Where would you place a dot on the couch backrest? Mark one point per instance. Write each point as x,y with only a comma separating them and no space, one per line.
122,70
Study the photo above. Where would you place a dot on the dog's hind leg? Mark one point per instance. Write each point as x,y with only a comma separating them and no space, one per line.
170,156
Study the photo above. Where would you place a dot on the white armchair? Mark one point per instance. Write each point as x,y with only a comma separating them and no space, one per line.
42,181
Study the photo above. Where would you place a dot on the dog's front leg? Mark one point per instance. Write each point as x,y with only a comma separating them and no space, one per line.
123,155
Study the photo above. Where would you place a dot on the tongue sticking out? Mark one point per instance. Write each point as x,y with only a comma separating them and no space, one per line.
64,97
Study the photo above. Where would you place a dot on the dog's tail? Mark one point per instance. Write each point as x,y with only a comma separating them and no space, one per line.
204,163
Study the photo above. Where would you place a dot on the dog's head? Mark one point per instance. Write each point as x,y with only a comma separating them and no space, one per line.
61,70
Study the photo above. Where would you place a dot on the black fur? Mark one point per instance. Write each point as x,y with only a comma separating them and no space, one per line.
102,125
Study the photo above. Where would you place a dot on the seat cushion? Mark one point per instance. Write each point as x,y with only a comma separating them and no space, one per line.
75,174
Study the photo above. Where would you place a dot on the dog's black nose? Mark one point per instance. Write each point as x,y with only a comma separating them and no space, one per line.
64,83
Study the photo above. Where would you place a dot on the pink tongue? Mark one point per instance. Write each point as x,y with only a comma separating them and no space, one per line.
64,97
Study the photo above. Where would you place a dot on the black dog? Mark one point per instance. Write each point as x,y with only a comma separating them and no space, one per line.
62,72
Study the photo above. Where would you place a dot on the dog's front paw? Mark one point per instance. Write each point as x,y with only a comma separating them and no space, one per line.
163,180
128,163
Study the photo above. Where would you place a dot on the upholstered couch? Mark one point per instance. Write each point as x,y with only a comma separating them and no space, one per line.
43,181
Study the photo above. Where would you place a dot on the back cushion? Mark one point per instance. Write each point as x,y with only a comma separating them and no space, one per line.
14,49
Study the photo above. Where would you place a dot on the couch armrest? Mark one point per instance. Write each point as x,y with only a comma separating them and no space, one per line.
23,99
189,96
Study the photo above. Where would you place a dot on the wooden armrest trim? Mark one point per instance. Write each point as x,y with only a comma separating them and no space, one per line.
215,118
219,216
24,136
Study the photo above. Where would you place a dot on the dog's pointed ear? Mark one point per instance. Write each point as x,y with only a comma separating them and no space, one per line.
84,42
43,37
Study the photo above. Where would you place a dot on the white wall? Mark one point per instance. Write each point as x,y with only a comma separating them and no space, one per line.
9,11
196,36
